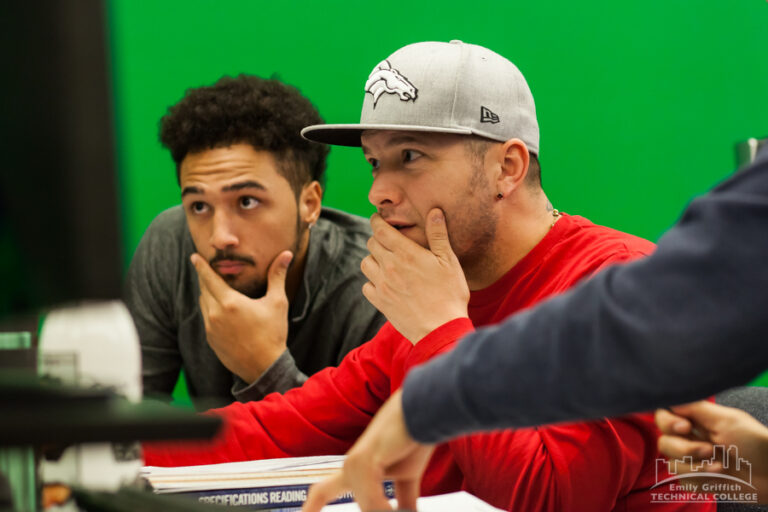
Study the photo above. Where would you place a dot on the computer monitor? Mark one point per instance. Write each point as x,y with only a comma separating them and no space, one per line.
60,230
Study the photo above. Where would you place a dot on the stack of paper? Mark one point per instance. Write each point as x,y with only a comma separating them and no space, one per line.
259,485
259,473
280,484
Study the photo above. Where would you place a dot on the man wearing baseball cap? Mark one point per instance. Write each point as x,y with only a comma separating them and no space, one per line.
464,237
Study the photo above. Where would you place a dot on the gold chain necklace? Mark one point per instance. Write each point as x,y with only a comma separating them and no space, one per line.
555,216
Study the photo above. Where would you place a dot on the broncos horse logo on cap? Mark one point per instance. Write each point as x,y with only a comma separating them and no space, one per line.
385,79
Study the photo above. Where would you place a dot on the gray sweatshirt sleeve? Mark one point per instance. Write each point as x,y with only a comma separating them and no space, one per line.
281,376
686,322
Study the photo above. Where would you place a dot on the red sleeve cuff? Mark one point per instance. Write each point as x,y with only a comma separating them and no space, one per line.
438,341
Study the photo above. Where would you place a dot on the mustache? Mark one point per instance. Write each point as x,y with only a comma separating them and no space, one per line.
230,256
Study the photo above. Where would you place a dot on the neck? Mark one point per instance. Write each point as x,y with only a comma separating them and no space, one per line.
533,218
296,271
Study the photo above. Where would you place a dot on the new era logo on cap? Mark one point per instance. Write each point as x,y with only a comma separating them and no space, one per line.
486,116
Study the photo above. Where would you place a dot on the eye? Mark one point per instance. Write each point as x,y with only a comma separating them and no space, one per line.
409,155
198,207
249,202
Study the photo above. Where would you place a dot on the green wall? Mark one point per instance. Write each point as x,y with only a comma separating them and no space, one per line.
639,103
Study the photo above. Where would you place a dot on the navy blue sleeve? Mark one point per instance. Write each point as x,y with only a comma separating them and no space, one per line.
682,324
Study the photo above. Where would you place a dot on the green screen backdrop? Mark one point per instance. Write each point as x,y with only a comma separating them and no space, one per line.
639,102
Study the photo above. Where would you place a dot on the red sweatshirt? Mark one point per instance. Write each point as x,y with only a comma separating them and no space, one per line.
599,465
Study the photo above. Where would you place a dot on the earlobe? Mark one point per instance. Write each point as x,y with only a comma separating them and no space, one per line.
310,202
515,159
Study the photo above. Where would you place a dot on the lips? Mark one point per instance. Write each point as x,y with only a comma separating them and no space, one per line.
229,267
405,229
399,225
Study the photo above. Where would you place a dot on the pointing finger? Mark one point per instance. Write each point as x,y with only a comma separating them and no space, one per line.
324,492
389,237
209,280
407,492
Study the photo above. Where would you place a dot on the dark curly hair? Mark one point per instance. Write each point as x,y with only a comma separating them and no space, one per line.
266,114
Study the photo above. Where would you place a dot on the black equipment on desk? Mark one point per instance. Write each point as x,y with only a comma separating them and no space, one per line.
38,412
48,415
131,500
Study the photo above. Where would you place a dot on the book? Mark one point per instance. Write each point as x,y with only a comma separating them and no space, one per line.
267,485
460,501
281,485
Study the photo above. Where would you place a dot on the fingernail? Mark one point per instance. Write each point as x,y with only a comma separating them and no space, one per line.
680,427
437,217
287,260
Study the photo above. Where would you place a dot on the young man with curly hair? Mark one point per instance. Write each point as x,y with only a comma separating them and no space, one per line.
249,285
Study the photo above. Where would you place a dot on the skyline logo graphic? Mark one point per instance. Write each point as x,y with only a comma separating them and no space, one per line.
676,483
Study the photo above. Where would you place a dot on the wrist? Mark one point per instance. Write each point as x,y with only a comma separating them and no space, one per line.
439,340
257,366
437,323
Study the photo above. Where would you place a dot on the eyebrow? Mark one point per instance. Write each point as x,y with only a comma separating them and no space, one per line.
243,185
402,139
229,188
190,190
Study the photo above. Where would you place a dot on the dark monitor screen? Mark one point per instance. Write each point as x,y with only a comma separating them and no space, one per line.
60,232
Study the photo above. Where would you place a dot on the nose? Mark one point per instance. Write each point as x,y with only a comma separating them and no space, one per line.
385,190
223,234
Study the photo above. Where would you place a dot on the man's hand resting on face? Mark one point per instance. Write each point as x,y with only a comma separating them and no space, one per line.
417,289
246,334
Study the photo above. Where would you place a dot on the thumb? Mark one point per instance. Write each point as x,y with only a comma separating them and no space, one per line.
437,234
278,271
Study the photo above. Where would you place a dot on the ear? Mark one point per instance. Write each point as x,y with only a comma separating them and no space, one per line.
310,202
514,158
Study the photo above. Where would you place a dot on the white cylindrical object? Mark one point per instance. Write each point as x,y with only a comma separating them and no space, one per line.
93,345
100,339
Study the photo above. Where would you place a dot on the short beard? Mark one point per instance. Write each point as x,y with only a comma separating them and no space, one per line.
255,289
477,227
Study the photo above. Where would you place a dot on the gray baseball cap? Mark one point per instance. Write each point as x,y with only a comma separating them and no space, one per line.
446,88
